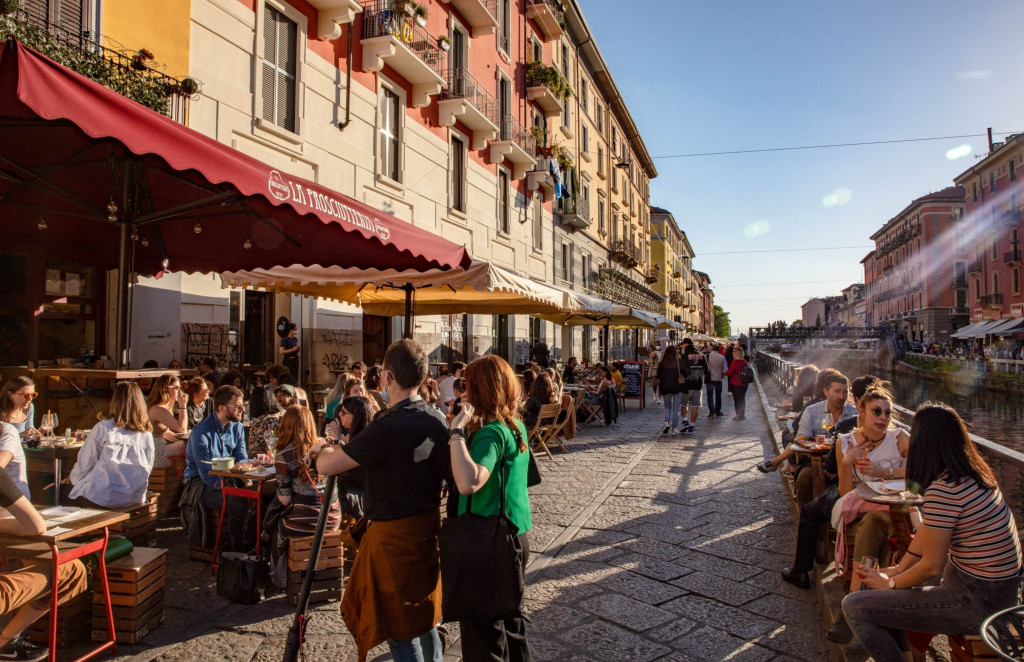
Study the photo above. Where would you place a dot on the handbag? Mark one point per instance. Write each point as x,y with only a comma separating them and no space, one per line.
532,470
680,377
242,577
481,564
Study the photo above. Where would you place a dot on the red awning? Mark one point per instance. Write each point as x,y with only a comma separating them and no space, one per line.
69,146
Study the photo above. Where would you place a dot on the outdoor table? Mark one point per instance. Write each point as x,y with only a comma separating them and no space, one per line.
59,529
816,453
258,478
900,502
54,456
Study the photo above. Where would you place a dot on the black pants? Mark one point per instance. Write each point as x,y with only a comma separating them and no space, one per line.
739,396
497,641
237,509
813,515
610,406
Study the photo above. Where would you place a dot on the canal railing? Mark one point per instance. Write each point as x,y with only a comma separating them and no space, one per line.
1006,463
1007,366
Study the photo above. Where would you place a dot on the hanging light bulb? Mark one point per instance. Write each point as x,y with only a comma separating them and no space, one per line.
112,211
144,242
135,233
42,223
247,244
197,228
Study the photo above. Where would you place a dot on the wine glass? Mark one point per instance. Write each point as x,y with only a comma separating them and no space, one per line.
48,424
827,422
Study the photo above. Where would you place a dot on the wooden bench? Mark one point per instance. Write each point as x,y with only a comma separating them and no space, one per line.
167,483
74,622
140,528
328,574
969,648
136,594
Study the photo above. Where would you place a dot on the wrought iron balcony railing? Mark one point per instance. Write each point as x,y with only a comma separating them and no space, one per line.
380,18
462,85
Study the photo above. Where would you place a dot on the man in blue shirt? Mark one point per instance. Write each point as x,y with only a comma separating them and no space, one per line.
220,435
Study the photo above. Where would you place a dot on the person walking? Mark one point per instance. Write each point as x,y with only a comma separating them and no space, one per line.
668,372
393,593
737,386
488,449
716,371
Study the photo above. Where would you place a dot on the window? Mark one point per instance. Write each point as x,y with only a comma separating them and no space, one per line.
995,283
1013,171
1015,275
567,114
504,104
538,221
504,212
585,101
389,123
504,28
585,139
565,262
538,50
458,173
995,248
280,60
565,62
600,214
600,159
992,180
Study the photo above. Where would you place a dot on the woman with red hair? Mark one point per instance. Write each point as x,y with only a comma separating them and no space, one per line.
487,438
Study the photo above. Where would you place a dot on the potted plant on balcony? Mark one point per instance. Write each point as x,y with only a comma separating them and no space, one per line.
189,86
407,7
141,57
420,14
444,43
8,6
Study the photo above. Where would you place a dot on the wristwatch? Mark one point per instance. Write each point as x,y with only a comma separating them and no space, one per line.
892,582
456,431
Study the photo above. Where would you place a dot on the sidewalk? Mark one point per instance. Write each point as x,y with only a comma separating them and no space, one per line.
642,550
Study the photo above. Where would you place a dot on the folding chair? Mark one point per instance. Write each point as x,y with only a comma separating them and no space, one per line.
587,411
555,429
546,418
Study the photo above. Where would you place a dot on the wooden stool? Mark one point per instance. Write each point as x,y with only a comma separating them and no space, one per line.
140,528
136,596
167,482
327,579
74,622
969,648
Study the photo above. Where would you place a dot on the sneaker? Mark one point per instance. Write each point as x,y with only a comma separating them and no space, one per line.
668,427
766,467
24,650
674,431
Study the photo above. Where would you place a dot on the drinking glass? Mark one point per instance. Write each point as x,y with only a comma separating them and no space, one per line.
48,424
827,422
870,563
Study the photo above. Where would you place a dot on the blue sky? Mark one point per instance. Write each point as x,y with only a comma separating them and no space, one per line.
724,75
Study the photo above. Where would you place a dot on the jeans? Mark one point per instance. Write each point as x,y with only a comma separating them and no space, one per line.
672,401
958,605
424,648
714,390
497,641
237,511
813,515
739,396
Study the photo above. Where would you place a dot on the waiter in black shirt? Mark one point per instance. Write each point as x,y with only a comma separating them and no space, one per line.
394,590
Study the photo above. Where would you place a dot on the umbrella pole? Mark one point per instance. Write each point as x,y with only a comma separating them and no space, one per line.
408,310
121,361
607,343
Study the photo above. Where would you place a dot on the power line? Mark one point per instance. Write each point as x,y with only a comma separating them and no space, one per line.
787,250
797,282
829,146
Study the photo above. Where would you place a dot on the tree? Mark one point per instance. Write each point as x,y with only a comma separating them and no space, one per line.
722,324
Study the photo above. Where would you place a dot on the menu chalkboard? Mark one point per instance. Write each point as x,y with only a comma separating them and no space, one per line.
633,380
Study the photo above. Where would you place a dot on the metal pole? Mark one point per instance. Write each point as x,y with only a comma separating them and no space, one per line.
408,310
607,342
122,299
293,644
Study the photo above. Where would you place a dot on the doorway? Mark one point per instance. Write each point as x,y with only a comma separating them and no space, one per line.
376,338
258,329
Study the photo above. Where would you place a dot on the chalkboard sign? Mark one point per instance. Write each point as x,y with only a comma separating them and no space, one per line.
633,375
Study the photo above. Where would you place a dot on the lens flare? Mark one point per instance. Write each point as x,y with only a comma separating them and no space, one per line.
837,198
958,152
757,228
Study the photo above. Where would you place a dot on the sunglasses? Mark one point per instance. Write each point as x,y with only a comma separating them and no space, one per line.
878,411
27,396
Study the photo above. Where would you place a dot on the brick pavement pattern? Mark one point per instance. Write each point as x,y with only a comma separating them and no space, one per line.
645,548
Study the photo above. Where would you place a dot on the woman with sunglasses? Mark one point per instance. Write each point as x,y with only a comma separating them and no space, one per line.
16,406
199,404
168,426
16,414
967,535
876,449
354,413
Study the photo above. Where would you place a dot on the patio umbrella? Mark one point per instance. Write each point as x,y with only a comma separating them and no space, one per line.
92,177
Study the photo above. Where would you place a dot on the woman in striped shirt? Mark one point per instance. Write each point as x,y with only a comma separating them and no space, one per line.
967,536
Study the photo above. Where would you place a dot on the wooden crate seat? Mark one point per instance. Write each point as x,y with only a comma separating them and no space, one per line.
137,583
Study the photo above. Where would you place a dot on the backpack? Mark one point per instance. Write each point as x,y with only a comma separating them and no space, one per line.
747,374
695,375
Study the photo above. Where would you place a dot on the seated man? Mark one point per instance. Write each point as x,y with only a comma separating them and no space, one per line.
220,435
25,593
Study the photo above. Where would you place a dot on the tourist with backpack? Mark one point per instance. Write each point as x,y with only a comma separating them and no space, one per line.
737,385
696,377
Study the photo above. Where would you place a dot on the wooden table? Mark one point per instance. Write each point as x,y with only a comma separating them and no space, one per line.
55,457
49,546
899,515
252,491
817,458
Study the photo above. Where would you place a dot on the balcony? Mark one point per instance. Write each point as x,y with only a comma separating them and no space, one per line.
959,281
1012,258
393,38
332,14
675,298
126,73
549,16
469,102
1010,218
546,87
991,300
626,253
574,212
975,268
516,144
480,14
541,177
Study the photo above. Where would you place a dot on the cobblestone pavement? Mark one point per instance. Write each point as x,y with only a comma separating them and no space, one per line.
645,548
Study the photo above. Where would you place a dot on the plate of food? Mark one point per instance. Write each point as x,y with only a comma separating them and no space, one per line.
888,486
243,468
58,511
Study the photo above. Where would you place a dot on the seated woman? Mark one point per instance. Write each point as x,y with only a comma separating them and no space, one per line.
876,448
199,404
336,395
967,535
112,470
543,394
355,413
603,393
232,378
298,485
16,414
165,395
373,386
569,373
265,412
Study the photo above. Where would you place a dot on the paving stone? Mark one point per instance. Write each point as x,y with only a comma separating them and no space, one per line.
648,567
553,618
670,631
621,610
717,566
219,645
604,641
712,644
719,588
734,620
792,643
656,549
544,649
636,586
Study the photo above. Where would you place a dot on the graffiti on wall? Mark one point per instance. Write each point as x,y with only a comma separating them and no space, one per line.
199,340
335,350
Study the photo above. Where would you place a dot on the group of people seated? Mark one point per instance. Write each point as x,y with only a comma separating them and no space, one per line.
964,562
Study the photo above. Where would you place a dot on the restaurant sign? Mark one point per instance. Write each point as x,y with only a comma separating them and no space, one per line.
301,194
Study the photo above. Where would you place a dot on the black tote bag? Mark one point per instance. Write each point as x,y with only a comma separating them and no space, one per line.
481,564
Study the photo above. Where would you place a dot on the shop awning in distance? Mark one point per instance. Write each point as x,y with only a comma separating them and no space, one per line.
102,170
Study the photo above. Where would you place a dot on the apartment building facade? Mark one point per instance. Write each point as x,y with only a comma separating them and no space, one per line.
990,264
686,294
916,274
493,123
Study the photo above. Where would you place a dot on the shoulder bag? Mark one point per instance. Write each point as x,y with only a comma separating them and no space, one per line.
481,564
680,377
242,577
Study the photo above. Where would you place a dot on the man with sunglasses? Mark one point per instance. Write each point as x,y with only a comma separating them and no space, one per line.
220,435
394,589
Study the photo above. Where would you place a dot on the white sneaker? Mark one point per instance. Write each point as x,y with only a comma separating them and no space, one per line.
674,431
